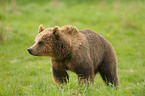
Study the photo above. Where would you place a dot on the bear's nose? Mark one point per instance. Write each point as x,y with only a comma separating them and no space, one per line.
29,50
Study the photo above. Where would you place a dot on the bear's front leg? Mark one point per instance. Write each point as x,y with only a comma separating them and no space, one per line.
85,75
60,76
83,79
59,72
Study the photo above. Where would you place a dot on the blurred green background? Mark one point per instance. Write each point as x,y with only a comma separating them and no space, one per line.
121,22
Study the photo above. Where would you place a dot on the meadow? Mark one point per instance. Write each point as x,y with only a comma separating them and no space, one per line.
121,22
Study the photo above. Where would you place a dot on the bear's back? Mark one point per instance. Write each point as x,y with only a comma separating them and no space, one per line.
97,45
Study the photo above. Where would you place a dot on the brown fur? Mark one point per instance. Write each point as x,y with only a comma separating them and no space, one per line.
84,52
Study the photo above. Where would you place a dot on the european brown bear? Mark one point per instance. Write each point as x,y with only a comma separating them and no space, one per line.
84,52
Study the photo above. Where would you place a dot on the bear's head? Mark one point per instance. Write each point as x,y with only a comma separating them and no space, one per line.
54,42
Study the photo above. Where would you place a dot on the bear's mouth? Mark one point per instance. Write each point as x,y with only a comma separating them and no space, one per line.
36,54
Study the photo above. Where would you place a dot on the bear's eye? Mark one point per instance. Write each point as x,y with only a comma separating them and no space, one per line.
40,43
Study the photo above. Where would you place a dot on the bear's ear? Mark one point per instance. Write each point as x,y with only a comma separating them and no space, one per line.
41,28
55,30
70,30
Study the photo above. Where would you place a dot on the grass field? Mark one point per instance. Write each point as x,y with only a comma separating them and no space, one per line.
122,22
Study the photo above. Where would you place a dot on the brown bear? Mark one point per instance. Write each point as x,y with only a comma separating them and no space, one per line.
84,52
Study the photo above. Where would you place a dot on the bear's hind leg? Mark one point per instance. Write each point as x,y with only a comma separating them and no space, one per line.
108,72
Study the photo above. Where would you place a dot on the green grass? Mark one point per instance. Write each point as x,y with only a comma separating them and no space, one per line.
22,74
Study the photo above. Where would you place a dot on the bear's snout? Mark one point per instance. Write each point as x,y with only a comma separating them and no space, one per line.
29,50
